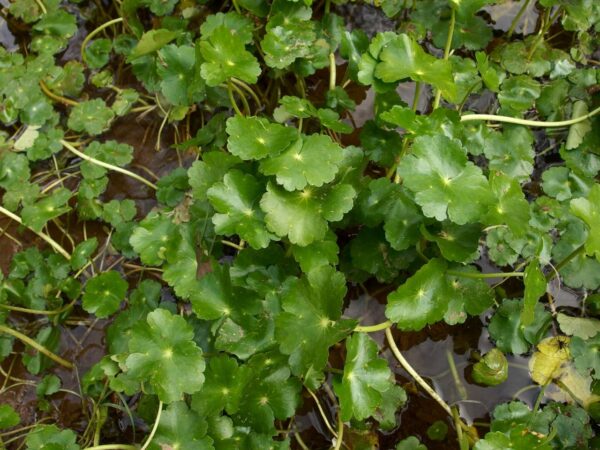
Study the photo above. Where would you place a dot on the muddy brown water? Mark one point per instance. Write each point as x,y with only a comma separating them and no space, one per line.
428,351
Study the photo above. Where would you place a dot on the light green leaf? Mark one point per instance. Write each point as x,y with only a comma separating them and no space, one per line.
225,57
303,215
8,417
510,208
50,437
180,427
39,213
402,58
257,138
588,210
581,327
151,41
151,239
313,160
92,116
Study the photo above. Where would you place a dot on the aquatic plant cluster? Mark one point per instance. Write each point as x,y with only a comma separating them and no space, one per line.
198,196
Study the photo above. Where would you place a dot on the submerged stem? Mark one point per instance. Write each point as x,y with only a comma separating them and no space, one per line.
36,345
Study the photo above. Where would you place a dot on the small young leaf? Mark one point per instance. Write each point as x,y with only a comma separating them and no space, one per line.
104,293
225,57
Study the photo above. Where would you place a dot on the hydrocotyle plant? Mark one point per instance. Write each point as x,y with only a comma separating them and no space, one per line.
295,163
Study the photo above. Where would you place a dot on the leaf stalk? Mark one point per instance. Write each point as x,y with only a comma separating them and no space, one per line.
89,37
97,162
528,123
413,373
55,245
373,328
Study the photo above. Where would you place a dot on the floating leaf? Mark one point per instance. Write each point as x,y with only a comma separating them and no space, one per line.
492,369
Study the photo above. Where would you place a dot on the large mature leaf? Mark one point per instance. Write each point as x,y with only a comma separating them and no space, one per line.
162,353
422,299
302,216
366,379
438,172
310,322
